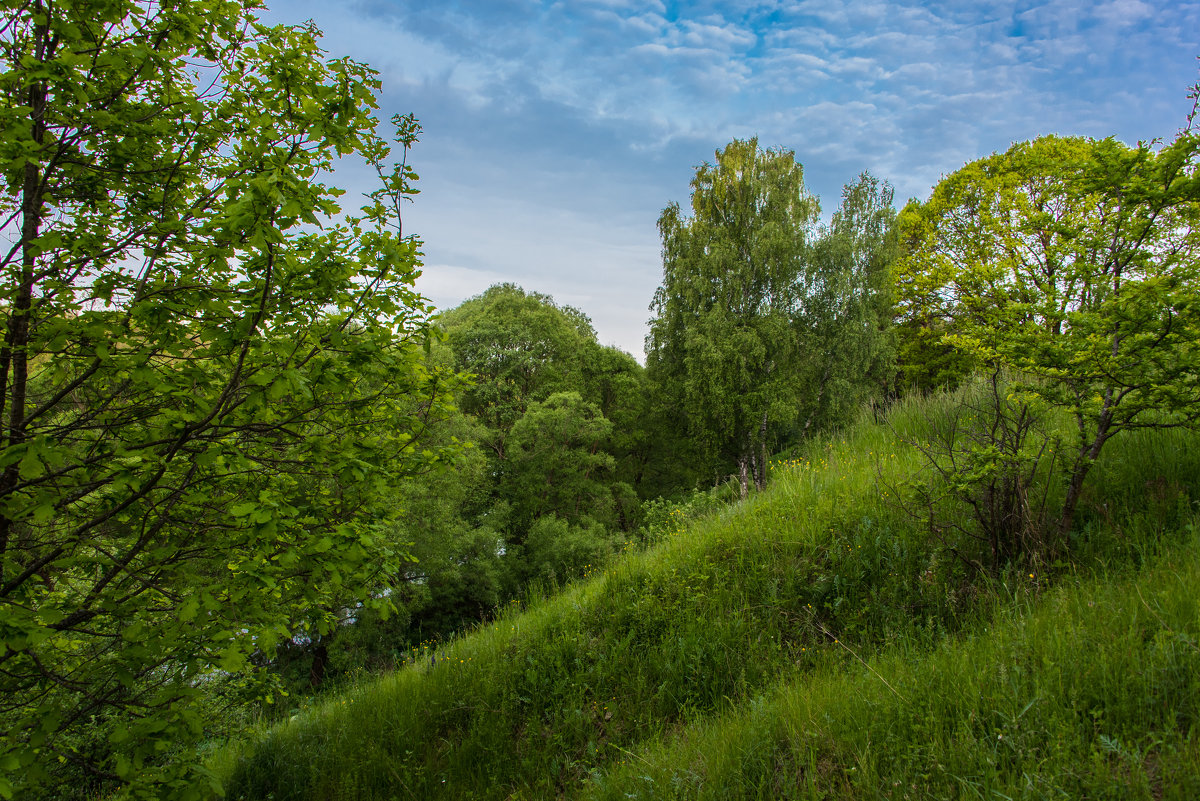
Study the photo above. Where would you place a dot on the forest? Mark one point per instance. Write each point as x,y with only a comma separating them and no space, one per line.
271,525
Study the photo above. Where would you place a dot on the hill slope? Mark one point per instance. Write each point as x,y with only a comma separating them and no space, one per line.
811,642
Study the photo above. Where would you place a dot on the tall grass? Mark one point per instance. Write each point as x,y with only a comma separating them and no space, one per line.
1094,692
800,585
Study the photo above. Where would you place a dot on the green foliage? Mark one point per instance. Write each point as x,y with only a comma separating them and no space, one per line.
663,518
718,612
764,321
520,347
211,378
991,485
640,439
845,309
1074,265
557,551
555,464
568,425
925,361
457,576
562,434
720,338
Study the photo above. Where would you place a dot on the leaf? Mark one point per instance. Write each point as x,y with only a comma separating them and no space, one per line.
244,509
188,610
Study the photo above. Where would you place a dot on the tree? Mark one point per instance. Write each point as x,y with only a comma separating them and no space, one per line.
765,319
521,347
209,378
720,336
1073,265
844,306
457,578
620,387
557,463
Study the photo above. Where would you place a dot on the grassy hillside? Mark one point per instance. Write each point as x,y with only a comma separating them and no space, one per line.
1092,691
811,642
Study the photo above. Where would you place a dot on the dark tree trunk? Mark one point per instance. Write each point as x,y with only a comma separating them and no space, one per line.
14,356
760,479
316,672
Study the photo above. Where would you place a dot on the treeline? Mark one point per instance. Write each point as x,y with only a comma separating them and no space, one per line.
558,445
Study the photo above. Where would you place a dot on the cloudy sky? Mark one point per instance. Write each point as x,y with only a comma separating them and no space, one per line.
556,132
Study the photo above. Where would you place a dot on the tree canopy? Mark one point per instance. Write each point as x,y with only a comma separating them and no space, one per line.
766,319
210,376
521,347
1075,264
721,332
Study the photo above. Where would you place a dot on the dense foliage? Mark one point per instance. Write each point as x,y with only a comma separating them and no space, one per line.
566,448
1073,266
766,321
210,380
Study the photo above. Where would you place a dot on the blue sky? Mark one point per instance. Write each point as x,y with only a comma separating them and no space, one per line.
556,132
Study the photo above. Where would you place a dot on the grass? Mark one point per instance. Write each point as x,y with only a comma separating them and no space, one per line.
810,642
1090,691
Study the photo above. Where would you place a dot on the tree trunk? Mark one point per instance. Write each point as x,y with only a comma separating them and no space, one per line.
1083,463
316,672
760,480
14,357
817,400
1066,516
743,475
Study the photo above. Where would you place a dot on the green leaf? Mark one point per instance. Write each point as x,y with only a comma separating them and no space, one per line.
244,509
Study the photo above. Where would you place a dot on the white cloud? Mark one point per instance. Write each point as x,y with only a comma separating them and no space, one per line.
1125,12
543,116
715,36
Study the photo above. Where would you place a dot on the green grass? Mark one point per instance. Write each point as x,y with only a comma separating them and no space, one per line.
697,668
1091,691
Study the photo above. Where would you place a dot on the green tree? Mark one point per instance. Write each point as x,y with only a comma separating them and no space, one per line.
521,347
645,464
766,320
1074,266
557,463
844,307
210,378
565,430
456,577
721,337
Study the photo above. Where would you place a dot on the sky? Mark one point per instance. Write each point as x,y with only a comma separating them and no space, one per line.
556,132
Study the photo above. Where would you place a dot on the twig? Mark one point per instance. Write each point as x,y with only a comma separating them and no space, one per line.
860,659
630,753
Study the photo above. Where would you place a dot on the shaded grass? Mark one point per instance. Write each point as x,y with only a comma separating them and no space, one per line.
797,586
